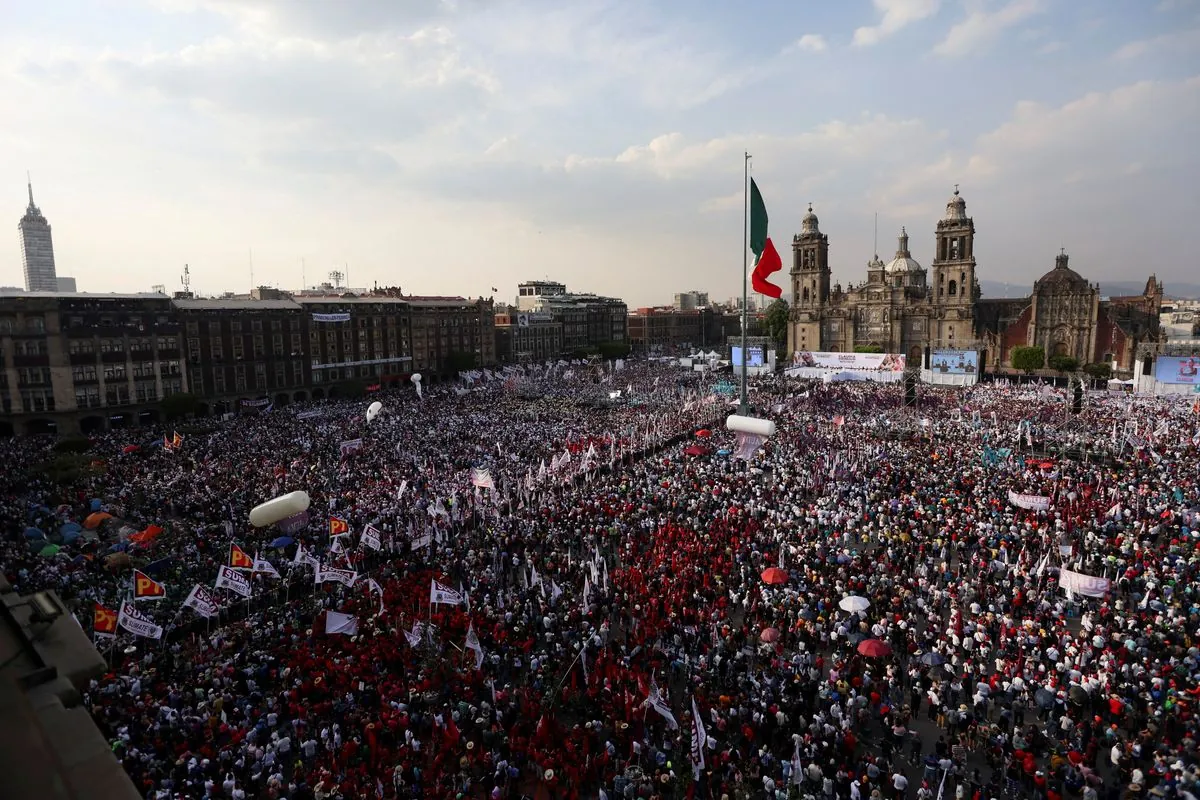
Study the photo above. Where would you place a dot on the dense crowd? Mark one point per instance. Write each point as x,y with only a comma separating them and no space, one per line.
871,603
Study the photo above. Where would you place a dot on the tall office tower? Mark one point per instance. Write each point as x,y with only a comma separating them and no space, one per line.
37,249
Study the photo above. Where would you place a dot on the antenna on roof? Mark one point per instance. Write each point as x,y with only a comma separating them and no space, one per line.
251,269
186,280
302,278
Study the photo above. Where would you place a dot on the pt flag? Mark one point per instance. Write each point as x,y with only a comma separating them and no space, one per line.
338,526
104,621
766,258
239,558
146,588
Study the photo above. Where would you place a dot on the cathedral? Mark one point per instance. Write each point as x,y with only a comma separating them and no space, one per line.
904,308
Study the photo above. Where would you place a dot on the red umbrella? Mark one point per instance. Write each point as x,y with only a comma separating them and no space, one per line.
130,448
874,648
769,635
774,575
704,433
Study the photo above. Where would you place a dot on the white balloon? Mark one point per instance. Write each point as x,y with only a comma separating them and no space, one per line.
416,377
373,410
282,507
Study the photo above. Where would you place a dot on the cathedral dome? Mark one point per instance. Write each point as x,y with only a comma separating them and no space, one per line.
903,262
808,225
1062,278
956,208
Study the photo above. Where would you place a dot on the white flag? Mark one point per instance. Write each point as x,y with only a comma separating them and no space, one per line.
375,587
656,701
414,636
137,623
201,601
345,624
265,567
370,538
699,739
473,644
443,594
234,581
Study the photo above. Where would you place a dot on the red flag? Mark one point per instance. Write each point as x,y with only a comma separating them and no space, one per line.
104,620
238,558
146,588
338,526
768,264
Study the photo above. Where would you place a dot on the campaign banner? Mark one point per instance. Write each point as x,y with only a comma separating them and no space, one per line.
138,623
1086,585
229,578
343,317
1177,369
1029,502
878,362
310,414
954,362
345,577
260,403
201,601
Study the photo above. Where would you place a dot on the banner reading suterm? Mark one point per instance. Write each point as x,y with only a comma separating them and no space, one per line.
879,362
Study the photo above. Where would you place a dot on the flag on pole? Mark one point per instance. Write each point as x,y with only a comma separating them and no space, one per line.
239,558
146,588
699,739
766,258
338,526
104,621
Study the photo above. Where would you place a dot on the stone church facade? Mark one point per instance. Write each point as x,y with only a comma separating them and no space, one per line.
904,308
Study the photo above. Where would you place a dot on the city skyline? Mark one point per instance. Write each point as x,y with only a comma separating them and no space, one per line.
449,148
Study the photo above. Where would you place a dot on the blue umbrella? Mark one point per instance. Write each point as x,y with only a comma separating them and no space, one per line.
34,533
95,505
282,541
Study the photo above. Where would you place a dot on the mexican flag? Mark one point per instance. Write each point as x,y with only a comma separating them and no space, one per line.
766,257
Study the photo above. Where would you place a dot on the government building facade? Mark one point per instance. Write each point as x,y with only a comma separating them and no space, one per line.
904,308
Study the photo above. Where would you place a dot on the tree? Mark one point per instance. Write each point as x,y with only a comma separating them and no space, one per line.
1100,372
459,361
613,350
868,348
1064,363
1027,359
180,404
777,321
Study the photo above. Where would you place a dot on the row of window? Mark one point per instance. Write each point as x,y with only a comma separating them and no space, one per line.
241,382
28,325
136,344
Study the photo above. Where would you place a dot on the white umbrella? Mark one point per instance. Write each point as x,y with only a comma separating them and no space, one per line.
853,603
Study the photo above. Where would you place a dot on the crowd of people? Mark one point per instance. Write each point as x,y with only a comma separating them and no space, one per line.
981,596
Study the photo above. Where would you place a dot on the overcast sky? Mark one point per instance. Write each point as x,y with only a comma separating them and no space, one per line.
454,146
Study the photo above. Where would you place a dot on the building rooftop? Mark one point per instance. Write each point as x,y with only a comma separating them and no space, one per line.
6,292
235,304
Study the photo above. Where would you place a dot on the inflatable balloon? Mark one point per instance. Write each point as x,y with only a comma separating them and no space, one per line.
281,507
754,425
416,381
373,410
416,377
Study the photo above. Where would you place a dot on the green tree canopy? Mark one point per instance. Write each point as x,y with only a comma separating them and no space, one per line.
777,321
1027,359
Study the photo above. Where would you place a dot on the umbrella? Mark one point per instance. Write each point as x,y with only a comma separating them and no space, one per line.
282,541
769,635
95,518
704,433
853,603
856,637
1044,698
874,648
49,550
774,575
932,659
34,533
130,448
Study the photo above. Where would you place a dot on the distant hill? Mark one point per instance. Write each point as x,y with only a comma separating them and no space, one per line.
1178,289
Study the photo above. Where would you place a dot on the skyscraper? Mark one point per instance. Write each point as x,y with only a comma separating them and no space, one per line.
37,249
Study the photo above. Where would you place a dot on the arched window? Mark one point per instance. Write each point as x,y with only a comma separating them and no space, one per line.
952,288
804,295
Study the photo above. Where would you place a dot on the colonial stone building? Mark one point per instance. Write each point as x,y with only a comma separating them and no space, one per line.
901,308
904,308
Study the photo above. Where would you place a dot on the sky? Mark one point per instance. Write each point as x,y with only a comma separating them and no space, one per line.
452,146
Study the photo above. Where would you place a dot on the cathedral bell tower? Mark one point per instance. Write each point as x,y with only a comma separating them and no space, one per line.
953,286
810,284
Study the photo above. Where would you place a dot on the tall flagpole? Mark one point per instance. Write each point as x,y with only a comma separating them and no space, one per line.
744,407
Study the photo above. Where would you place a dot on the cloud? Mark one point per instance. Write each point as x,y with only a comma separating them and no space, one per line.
812,43
894,16
981,27
1185,41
